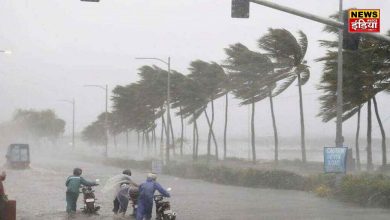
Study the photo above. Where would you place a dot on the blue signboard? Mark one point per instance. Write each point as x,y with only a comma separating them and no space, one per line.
335,159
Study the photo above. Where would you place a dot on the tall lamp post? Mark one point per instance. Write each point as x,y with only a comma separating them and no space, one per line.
168,63
6,51
105,88
73,117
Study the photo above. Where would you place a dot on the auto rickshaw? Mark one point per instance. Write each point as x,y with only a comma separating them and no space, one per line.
18,156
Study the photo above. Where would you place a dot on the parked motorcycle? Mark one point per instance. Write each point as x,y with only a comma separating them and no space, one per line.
89,199
163,208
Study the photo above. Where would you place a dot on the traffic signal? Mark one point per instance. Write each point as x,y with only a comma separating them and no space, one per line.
350,40
240,8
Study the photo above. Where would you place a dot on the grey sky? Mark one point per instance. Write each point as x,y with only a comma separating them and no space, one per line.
60,45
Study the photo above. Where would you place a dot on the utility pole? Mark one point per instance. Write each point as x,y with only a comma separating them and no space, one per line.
168,107
339,120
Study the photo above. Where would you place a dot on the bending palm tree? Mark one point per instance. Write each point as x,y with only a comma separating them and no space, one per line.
289,54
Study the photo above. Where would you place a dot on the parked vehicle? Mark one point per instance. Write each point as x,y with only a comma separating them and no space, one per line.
90,206
18,156
163,208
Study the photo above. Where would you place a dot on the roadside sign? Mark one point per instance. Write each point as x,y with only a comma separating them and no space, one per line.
157,166
335,159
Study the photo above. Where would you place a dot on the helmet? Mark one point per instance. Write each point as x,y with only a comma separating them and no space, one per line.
77,171
152,176
127,172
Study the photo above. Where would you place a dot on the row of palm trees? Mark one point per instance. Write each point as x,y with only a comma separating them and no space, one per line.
251,76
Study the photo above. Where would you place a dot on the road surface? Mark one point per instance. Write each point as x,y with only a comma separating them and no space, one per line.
40,194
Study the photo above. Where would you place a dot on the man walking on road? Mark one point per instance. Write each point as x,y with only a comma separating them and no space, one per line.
145,199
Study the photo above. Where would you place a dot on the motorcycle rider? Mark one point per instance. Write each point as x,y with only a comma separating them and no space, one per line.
3,197
73,184
122,197
146,193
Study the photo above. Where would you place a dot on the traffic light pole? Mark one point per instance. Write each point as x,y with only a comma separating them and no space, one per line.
339,110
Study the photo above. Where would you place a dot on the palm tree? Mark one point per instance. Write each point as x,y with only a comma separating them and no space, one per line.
211,76
192,100
227,87
289,53
177,80
248,70
366,73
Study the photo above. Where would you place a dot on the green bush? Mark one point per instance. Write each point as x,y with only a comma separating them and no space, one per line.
366,190
249,177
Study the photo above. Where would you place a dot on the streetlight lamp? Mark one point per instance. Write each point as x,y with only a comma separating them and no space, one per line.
168,63
73,116
105,115
6,51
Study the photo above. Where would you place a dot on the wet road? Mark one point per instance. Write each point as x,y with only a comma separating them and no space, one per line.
40,194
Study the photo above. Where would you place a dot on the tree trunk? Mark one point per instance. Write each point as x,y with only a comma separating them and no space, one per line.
212,124
303,144
275,129
370,165
154,140
138,140
225,129
115,145
162,137
147,143
193,140
253,133
173,136
208,139
167,140
127,139
212,134
143,141
357,141
182,133
197,140
384,156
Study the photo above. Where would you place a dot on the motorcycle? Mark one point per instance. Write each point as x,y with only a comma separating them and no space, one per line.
134,199
89,199
163,208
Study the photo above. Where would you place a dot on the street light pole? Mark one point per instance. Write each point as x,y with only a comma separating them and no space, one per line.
105,115
168,63
73,117
168,106
339,120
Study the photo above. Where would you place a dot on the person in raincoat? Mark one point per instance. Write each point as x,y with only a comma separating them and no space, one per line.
145,199
122,197
3,197
73,184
